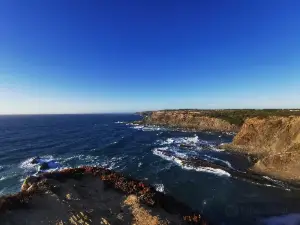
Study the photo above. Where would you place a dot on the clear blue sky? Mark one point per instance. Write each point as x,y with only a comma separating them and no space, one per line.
70,56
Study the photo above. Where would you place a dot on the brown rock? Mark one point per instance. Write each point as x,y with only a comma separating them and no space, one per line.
28,182
189,120
276,140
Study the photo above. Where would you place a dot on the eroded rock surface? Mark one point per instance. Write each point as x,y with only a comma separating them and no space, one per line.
92,195
276,142
190,120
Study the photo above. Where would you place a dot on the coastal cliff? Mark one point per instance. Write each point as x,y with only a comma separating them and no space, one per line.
276,143
189,120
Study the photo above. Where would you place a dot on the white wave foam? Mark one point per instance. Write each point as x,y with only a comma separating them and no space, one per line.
120,122
193,142
178,161
275,181
159,187
3,190
90,160
279,183
230,133
113,163
86,158
219,172
140,164
147,127
27,165
289,219
214,148
220,160
184,140
3,178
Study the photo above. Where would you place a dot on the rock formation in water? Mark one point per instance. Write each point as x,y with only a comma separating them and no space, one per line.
92,195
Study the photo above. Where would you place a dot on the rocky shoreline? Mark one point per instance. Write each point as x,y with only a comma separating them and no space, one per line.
271,137
93,195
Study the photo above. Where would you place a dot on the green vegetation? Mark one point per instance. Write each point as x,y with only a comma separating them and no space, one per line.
238,116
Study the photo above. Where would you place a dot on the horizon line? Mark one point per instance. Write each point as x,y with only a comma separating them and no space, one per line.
135,112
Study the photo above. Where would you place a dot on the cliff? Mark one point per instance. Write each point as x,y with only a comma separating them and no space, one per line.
223,120
92,195
276,143
190,120
271,136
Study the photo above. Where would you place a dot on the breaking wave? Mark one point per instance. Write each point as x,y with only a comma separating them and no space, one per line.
120,122
228,164
193,143
159,187
147,127
178,160
28,165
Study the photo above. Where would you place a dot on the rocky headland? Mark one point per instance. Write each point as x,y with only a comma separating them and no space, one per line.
270,137
275,141
92,195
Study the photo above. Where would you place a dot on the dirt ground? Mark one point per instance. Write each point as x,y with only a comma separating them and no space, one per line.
92,195
85,201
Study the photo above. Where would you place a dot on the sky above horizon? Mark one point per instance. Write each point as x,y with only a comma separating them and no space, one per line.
74,56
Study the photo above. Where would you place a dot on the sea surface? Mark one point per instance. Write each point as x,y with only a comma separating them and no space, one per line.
149,153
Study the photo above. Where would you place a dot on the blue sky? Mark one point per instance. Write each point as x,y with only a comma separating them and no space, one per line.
70,56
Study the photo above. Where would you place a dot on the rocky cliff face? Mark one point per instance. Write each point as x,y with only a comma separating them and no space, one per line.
189,120
273,134
277,142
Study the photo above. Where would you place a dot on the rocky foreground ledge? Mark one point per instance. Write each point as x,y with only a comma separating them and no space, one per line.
92,195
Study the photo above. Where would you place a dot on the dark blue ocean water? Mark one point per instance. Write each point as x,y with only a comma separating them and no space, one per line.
111,141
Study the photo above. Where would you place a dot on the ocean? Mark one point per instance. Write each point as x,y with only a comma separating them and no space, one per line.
149,153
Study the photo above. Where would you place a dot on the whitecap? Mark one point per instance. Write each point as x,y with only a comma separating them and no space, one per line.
218,172
88,159
220,160
192,143
147,127
178,161
159,187
3,178
120,122
27,165
214,148
112,163
277,182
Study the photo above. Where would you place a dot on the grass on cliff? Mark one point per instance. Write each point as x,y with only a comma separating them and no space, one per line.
238,116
